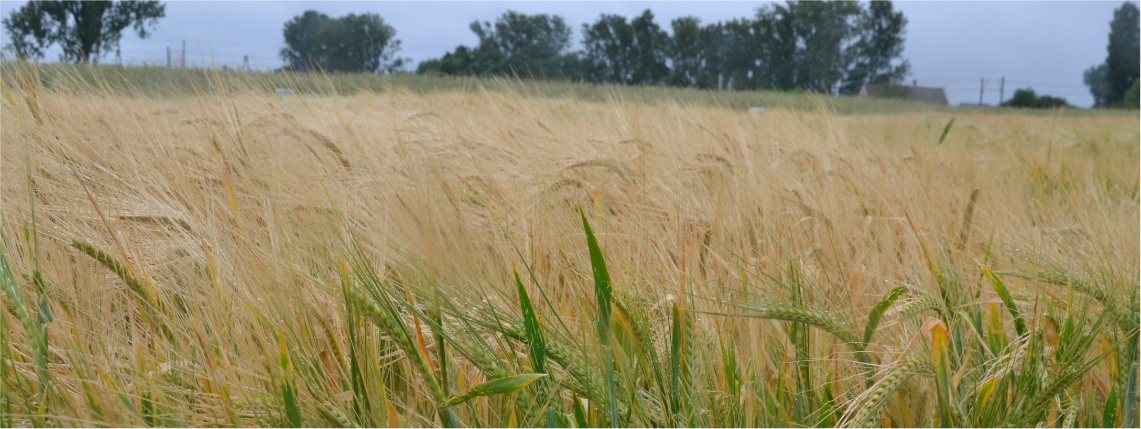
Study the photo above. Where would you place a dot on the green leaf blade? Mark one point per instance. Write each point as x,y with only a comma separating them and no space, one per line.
602,287
498,386
1004,294
946,129
536,344
877,312
602,292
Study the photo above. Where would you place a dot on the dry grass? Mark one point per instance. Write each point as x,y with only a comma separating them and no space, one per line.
244,217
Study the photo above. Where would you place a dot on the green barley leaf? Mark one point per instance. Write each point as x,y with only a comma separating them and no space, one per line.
579,413
498,386
1004,293
602,287
946,130
1109,415
877,312
602,292
536,344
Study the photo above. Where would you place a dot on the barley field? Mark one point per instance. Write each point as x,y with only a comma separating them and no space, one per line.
491,254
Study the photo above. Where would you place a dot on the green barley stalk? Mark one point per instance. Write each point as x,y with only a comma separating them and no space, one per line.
334,415
398,331
1123,316
582,380
636,318
913,307
914,364
33,329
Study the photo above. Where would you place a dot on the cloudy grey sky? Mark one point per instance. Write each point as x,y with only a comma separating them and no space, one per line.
1042,45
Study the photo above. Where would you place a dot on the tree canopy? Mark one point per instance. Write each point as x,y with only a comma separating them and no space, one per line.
349,44
85,30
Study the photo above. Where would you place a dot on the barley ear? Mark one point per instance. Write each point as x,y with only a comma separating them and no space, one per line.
914,364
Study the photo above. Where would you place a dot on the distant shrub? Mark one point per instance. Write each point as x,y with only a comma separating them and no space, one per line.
1026,98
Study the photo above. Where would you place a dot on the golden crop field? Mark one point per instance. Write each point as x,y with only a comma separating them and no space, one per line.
419,258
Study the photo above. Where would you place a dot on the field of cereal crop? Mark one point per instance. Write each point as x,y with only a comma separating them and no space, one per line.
478,253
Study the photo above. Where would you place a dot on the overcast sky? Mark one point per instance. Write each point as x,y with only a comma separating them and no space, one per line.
1042,45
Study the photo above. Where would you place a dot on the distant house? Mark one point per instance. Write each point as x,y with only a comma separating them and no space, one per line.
910,93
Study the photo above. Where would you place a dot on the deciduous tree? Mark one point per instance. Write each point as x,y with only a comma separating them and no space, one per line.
1122,64
349,44
878,50
85,30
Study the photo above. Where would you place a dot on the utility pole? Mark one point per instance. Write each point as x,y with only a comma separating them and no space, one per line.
1002,90
184,53
982,84
168,57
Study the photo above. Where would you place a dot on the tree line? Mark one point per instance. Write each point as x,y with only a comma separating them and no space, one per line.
832,47
829,47
826,46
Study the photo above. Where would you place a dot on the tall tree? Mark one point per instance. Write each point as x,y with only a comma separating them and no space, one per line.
684,51
85,30
825,32
649,50
739,55
879,46
606,49
349,44
715,52
1122,64
782,46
